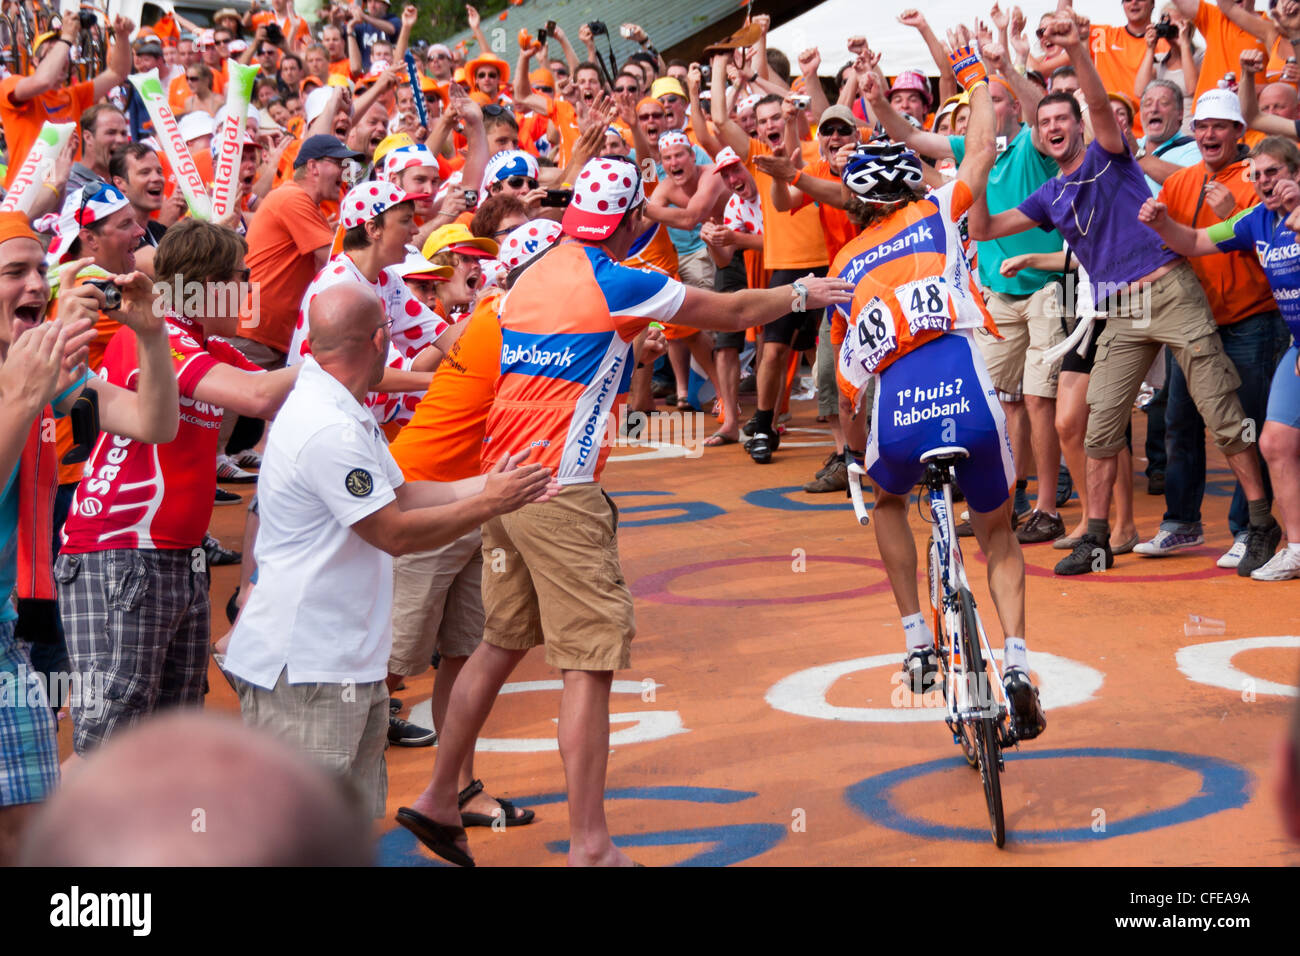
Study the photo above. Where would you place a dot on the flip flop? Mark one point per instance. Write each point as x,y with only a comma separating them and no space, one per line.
718,439
440,838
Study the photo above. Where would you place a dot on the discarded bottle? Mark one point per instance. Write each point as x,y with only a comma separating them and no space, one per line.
1199,626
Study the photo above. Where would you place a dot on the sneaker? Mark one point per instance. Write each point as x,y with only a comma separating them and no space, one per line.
1027,718
217,555
1082,558
748,385
829,463
1283,566
833,478
749,426
247,459
1232,557
1040,527
922,669
761,446
1064,486
394,705
1260,545
224,497
403,733
1168,542
229,472
1156,483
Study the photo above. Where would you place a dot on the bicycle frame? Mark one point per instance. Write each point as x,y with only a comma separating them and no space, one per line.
963,702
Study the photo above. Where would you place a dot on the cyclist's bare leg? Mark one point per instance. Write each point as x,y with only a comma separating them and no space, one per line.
897,549
1006,566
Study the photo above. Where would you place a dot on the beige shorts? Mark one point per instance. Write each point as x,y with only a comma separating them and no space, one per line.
437,604
343,727
1030,325
551,575
697,269
1170,311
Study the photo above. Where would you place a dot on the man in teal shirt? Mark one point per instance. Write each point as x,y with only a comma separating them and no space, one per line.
1025,306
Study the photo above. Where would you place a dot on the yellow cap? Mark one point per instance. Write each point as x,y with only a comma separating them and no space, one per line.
391,142
457,237
665,85
338,79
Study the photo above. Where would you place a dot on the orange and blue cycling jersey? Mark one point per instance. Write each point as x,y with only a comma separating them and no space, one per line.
566,357
912,284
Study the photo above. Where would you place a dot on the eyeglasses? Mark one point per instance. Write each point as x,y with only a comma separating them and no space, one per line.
626,89
486,74
493,109
647,117
671,99
1260,175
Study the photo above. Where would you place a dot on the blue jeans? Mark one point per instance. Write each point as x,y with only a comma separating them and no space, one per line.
1254,345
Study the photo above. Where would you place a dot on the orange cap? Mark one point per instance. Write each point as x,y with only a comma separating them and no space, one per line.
542,77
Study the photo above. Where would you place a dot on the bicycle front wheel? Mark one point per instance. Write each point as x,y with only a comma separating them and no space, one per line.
985,728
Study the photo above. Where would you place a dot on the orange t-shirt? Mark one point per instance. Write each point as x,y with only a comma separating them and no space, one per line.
799,242
1234,282
23,121
267,16
178,91
282,242
341,67
1118,55
1224,43
836,225
443,441
565,118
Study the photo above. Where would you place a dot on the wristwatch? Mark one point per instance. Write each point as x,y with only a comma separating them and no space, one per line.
800,296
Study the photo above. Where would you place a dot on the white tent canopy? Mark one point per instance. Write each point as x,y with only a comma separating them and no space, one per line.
829,26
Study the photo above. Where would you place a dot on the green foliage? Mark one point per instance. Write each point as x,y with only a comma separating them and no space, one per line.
449,17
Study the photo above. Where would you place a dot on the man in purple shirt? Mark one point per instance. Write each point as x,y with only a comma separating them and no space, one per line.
1150,294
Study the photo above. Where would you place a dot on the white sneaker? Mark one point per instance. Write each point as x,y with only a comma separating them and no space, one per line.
247,459
227,470
1170,542
1281,567
1232,557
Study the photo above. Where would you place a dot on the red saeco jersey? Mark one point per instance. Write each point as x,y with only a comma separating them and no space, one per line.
136,495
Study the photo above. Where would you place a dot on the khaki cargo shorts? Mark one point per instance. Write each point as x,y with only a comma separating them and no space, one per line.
1170,311
1030,325
551,575
437,604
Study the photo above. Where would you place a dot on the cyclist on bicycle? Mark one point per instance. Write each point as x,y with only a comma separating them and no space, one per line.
910,328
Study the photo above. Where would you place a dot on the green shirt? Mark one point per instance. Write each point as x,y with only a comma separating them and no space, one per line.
1018,171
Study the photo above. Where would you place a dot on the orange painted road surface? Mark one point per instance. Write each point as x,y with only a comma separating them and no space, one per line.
759,724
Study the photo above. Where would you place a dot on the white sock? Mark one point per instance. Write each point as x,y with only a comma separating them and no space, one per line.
1015,654
916,633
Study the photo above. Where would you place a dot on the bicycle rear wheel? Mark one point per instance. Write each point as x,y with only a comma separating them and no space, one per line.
985,728
943,645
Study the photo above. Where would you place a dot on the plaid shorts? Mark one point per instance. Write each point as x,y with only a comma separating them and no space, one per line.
29,741
137,629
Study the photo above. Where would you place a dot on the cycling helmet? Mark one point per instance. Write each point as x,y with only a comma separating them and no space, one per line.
883,172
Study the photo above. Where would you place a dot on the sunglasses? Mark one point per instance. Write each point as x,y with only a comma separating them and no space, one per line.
647,117
625,89
671,99
493,109
486,75
193,78
834,129
517,182
548,90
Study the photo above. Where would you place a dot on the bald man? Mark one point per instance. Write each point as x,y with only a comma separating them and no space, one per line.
196,789
310,651
1279,99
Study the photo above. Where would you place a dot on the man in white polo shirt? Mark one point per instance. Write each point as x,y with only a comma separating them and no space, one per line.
310,651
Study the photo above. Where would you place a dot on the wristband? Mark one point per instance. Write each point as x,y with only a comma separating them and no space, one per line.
52,188
798,175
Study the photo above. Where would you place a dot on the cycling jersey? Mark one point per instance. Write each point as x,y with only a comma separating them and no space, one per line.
1265,233
913,284
566,356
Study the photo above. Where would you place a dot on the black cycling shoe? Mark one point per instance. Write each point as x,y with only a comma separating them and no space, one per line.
761,446
1261,543
1027,718
921,666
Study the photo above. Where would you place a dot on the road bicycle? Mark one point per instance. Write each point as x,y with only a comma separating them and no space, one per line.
970,678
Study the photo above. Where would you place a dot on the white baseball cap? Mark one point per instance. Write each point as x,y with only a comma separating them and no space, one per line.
1220,105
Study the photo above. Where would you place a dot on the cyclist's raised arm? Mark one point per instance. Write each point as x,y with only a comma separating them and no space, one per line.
981,149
